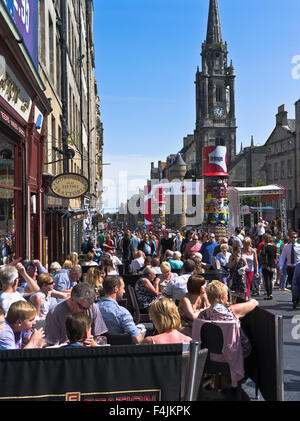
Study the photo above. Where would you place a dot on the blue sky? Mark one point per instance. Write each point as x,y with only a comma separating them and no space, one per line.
147,53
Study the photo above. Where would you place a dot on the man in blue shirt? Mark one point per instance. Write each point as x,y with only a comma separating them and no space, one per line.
117,318
207,249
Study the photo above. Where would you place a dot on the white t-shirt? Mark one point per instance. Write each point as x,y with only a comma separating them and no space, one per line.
8,298
261,228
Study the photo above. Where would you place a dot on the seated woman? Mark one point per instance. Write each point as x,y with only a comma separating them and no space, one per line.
90,260
95,278
176,262
200,266
42,299
108,267
220,310
165,276
147,289
166,319
192,303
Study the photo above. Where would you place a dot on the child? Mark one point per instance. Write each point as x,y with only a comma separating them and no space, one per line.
78,328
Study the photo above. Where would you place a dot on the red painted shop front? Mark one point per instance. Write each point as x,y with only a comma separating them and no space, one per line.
23,110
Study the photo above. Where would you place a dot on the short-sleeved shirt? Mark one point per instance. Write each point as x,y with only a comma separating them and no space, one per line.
117,318
11,340
176,288
207,251
62,280
55,329
8,298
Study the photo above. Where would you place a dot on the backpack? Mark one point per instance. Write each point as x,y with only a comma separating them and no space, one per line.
262,257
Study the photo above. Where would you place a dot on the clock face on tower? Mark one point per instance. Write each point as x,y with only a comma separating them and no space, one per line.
219,112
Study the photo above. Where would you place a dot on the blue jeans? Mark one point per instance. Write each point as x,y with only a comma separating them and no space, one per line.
283,279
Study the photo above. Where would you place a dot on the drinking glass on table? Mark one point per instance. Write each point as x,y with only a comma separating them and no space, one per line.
101,340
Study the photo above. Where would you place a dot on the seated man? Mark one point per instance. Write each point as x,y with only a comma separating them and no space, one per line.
9,278
78,328
137,263
176,288
82,300
117,318
17,330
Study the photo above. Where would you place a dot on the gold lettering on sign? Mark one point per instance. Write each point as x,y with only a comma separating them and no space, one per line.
12,92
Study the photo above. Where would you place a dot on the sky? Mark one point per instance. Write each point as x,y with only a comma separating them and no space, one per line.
146,56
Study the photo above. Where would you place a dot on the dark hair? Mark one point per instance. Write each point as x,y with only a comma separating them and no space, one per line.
155,262
110,282
188,266
77,325
194,284
2,312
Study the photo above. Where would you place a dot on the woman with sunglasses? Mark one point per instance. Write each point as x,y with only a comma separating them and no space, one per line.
42,299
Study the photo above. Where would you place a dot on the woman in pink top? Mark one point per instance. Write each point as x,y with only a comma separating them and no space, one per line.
192,247
166,319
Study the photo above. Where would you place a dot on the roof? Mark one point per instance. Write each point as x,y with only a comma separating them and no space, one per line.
256,191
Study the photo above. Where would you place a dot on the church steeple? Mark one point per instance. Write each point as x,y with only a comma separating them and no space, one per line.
214,32
215,93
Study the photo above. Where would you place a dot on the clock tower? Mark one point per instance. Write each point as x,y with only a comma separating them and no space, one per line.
215,94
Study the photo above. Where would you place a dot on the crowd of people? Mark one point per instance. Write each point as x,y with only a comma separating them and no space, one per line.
79,300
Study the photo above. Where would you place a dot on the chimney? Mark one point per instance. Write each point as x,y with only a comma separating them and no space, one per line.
281,116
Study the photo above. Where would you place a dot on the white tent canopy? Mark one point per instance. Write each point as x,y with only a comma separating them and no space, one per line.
263,194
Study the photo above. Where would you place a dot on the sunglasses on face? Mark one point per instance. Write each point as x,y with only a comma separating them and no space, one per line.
82,307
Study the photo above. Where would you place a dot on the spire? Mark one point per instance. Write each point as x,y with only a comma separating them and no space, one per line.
214,33
252,142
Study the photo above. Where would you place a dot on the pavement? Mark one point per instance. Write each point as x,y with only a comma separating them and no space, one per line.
282,305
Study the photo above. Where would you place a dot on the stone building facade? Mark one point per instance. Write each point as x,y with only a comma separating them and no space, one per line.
283,160
74,128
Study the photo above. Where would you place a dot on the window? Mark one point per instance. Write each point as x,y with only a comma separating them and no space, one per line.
290,199
282,169
10,198
51,49
219,94
42,49
276,171
289,168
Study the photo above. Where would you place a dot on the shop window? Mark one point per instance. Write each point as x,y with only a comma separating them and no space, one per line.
7,164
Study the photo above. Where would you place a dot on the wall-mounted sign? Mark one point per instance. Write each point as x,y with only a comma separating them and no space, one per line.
70,186
14,93
10,122
24,13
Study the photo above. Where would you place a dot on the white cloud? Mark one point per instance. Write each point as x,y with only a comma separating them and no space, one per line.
124,177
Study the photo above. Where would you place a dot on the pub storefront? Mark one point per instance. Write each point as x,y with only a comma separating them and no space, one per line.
23,109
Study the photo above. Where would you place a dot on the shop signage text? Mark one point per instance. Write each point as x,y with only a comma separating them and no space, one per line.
70,186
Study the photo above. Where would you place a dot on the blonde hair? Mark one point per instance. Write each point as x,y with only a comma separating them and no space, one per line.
224,246
165,267
20,310
215,290
247,241
67,264
74,257
94,278
164,314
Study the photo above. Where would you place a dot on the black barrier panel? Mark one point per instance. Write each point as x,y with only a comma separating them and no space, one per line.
120,373
260,366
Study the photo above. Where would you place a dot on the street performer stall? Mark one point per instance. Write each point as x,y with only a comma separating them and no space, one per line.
262,194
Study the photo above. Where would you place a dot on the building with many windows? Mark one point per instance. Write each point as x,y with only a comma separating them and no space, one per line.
74,132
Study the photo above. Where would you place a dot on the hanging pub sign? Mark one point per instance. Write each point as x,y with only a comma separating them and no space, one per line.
70,185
